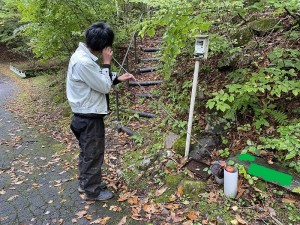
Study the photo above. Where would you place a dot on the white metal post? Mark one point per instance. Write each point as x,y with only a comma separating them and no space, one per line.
192,105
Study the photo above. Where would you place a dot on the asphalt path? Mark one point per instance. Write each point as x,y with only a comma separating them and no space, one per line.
37,185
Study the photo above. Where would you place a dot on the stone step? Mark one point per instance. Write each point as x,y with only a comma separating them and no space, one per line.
147,70
140,113
150,60
143,49
125,130
145,83
146,96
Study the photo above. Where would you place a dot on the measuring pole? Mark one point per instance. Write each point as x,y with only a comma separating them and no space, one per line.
192,105
201,51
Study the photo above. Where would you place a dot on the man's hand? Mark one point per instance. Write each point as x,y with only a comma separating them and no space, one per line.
107,55
126,76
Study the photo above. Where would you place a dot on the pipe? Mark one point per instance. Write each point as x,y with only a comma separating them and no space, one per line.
192,105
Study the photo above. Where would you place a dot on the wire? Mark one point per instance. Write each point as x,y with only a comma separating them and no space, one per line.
121,66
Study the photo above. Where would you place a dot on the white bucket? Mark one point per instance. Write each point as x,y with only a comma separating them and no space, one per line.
231,182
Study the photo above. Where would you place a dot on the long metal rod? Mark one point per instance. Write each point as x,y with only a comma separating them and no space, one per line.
121,66
161,105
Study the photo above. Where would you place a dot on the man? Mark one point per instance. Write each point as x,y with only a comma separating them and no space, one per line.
87,87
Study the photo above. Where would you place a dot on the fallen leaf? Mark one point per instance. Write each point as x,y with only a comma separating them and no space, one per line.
171,206
122,221
189,222
135,211
115,208
19,182
288,200
172,198
133,200
180,190
213,197
234,208
176,218
2,192
136,218
97,221
159,192
88,216
234,222
12,197
34,185
272,211
264,152
240,193
105,220
80,214
122,198
240,220
193,215
149,208
205,221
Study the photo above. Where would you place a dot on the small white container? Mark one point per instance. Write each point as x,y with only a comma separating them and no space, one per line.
231,182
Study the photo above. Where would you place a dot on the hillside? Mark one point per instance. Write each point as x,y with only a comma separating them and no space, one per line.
247,102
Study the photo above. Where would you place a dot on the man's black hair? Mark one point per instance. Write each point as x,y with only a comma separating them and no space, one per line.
98,36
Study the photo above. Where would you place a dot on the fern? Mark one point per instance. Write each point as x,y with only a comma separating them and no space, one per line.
280,117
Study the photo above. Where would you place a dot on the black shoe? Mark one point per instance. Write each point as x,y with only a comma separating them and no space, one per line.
103,195
103,185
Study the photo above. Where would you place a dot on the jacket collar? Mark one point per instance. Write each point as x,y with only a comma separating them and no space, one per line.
83,47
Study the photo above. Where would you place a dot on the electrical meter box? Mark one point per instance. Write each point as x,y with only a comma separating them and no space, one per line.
201,46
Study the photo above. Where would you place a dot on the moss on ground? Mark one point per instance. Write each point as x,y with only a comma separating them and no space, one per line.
193,188
130,171
243,36
287,213
179,145
264,25
215,212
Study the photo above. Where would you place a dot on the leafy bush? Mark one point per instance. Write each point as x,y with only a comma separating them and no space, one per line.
260,90
287,144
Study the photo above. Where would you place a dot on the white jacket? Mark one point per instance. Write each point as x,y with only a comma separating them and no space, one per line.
87,84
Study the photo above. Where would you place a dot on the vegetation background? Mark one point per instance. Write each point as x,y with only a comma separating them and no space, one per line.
250,82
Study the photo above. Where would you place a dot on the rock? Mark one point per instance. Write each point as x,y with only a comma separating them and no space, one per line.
202,148
145,163
170,140
171,164
228,61
193,187
215,124
261,185
243,37
264,26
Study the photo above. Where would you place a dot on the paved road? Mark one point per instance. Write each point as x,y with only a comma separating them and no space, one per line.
37,185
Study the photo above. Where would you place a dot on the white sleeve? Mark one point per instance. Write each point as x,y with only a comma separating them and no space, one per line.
96,78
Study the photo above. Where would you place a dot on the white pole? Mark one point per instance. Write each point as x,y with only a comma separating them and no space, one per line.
192,105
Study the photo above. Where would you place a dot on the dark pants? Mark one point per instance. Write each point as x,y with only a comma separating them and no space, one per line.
90,133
